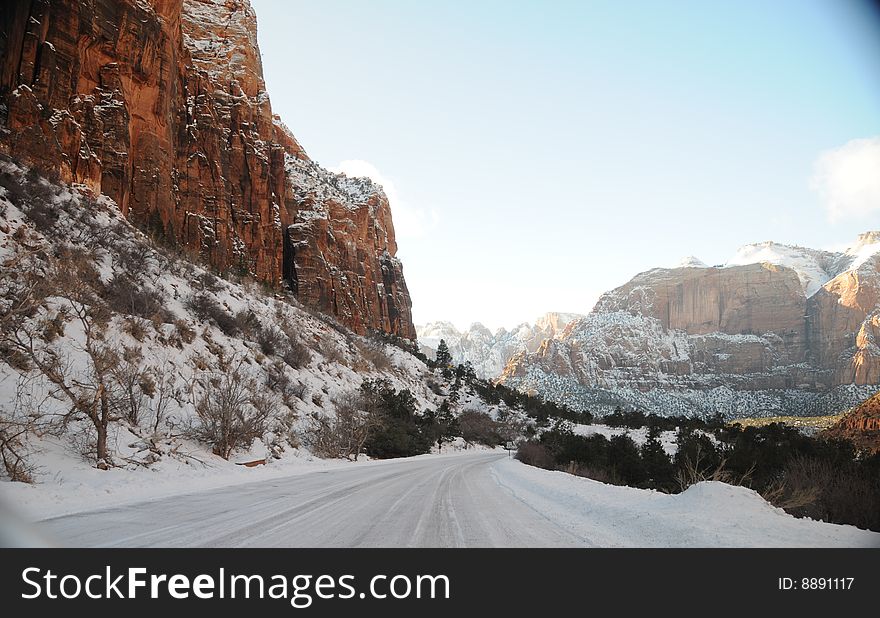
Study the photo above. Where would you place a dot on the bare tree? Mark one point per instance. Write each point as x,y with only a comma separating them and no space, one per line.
344,434
135,384
30,324
166,391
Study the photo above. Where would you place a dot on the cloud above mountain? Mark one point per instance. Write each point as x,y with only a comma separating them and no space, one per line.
848,179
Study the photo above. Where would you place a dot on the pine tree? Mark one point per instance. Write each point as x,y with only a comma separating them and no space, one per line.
657,463
443,357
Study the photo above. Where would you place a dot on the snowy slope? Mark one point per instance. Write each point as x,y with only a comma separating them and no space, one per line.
814,267
182,350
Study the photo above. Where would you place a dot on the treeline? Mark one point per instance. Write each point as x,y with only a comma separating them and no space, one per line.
635,419
807,476
384,422
540,410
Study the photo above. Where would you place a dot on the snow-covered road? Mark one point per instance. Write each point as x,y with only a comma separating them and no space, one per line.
431,502
463,500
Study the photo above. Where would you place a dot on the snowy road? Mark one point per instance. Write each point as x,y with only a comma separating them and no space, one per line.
432,502
463,500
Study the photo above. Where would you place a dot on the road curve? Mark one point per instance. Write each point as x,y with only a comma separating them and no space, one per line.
425,502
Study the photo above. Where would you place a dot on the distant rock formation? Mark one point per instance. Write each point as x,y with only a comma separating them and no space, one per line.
796,332
489,352
161,105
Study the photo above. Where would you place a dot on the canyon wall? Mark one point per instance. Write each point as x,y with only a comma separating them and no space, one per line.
161,105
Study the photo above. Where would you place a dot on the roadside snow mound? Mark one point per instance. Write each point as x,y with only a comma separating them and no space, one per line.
708,514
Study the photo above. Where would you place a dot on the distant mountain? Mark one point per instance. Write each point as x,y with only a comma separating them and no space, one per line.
489,352
778,329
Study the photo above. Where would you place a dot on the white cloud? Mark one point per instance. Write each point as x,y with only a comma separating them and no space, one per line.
409,222
848,179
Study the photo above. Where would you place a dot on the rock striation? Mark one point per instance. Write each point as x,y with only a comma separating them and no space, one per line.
161,105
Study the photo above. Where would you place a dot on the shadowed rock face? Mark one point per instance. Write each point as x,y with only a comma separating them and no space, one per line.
161,105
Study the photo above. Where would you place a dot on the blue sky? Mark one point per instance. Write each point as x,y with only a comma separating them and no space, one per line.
540,153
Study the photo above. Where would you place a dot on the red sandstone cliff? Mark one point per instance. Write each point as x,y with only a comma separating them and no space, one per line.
161,105
861,426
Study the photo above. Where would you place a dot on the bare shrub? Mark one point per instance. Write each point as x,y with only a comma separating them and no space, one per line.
247,324
271,340
125,295
295,353
608,475
331,352
230,417
135,385
344,434
281,433
184,332
478,427
164,394
535,454
135,327
205,307
280,383
811,487
209,282
299,391
33,196
14,451
131,258
700,467
43,213
72,278
374,353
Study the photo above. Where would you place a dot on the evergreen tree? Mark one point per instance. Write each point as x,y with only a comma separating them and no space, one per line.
440,425
658,465
624,457
466,372
449,427
443,357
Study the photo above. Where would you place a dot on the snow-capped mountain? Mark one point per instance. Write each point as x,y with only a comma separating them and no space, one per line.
778,329
489,352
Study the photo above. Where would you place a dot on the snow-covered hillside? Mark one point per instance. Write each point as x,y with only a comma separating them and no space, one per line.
814,267
89,293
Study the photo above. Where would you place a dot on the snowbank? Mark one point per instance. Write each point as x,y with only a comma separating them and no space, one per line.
708,514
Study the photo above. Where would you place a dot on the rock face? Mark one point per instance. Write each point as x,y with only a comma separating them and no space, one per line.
161,105
794,333
861,425
489,352
339,249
